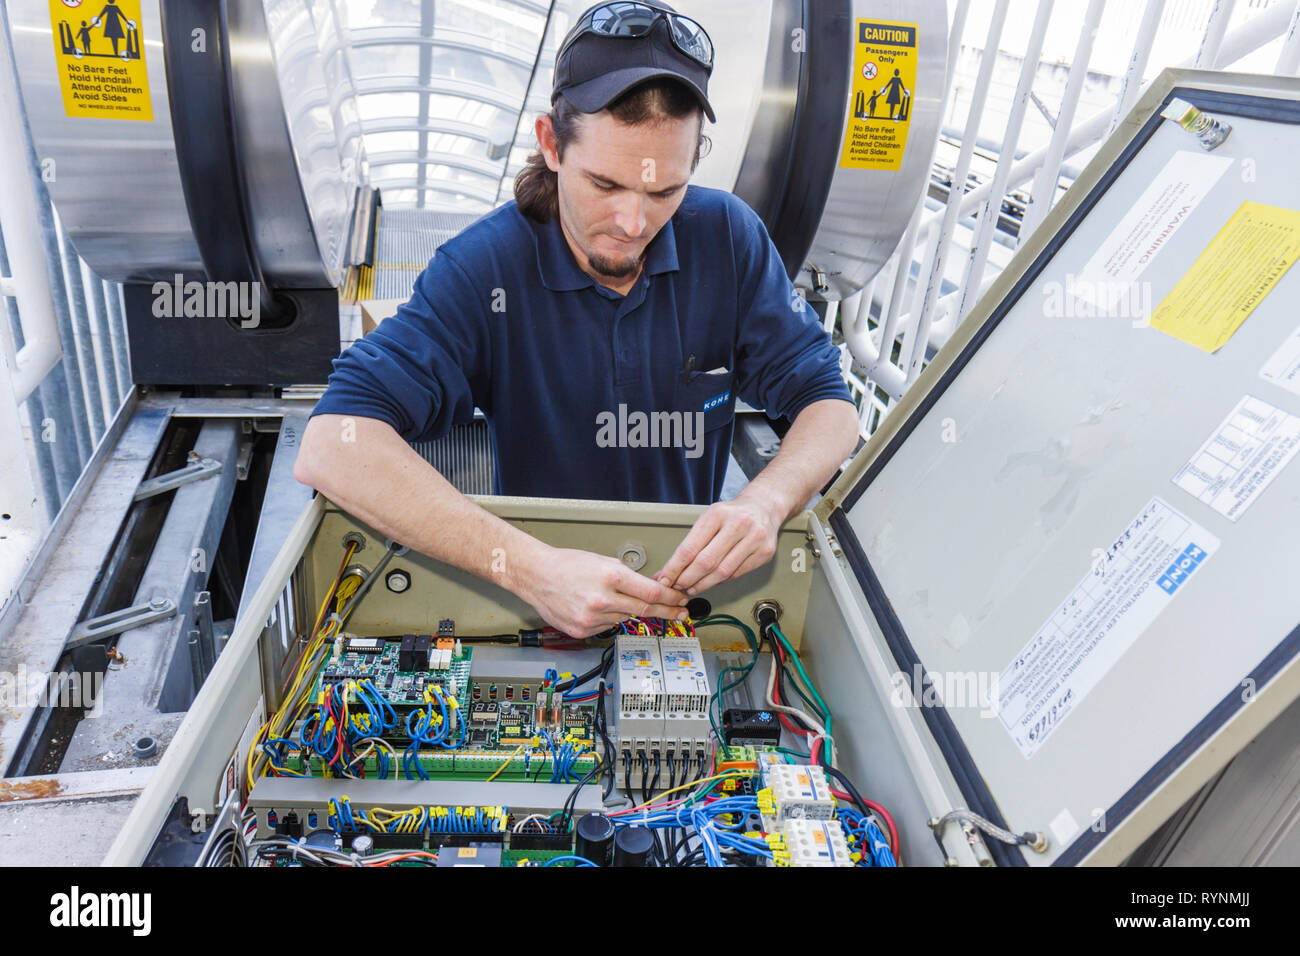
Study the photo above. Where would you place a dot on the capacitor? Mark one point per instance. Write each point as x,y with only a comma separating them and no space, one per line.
595,838
363,844
632,846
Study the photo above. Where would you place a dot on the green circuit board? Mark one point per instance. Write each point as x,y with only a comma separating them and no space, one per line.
503,738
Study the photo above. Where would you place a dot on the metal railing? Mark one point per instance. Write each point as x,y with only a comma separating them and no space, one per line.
943,263
63,339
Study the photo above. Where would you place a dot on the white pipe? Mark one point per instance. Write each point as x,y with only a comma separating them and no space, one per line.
1247,38
908,245
1288,60
1137,62
1043,194
20,224
952,208
990,211
1207,57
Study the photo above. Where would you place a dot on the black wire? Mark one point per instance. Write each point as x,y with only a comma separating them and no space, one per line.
654,783
601,721
781,693
572,801
606,658
672,769
784,671
627,775
645,775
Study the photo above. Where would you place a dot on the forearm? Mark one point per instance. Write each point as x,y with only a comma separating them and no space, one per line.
822,435
379,479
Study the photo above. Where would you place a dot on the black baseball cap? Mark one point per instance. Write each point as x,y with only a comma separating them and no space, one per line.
593,70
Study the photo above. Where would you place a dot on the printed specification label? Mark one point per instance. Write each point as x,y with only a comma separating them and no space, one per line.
1241,458
1145,568
1148,226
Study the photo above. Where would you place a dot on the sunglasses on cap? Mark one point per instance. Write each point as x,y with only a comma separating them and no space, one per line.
628,19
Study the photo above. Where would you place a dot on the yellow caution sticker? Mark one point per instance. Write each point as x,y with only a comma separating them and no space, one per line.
880,100
98,49
1231,277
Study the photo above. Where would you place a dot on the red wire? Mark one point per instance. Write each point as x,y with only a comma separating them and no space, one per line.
879,811
776,696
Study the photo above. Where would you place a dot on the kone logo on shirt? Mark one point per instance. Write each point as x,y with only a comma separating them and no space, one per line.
715,402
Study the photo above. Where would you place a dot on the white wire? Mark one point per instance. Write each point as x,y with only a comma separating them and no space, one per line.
800,714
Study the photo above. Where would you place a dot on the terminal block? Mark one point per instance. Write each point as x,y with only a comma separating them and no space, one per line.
814,843
796,792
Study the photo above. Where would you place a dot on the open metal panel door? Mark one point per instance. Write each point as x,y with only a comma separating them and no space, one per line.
1089,519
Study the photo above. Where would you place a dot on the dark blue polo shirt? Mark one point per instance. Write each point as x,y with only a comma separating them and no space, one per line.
592,394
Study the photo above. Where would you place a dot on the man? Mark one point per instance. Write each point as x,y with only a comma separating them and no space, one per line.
608,289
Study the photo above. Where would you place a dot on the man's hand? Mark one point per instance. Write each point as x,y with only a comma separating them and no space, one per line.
581,594
730,539
735,537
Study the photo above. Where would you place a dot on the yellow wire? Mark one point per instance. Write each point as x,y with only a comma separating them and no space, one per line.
518,751
692,784
343,587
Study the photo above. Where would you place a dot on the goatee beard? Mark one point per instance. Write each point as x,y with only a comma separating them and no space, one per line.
616,268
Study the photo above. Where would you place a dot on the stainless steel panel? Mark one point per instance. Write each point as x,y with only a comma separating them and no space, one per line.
319,106
114,182
868,209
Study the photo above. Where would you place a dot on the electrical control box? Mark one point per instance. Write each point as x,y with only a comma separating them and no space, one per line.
1033,596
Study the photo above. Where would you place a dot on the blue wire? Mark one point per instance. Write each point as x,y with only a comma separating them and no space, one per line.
575,860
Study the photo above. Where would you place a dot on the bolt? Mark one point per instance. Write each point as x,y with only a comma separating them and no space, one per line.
158,603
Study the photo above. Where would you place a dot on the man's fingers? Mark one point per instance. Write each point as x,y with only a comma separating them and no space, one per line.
727,566
670,613
710,558
742,559
701,534
647,591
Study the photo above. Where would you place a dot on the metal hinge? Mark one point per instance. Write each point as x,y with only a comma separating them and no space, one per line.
197,469
115,622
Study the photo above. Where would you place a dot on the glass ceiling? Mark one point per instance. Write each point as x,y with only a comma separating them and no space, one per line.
443,93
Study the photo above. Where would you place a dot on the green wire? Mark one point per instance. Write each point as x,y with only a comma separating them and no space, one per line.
743,672
821,704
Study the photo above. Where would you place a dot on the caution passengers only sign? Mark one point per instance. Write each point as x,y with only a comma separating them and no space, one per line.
880,100
97,46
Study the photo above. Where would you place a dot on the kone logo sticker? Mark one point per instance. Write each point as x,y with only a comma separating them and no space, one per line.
99,54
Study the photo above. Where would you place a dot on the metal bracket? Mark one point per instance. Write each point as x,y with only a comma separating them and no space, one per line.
194,471
115,622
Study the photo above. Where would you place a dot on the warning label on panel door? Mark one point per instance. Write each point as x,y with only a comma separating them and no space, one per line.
880,99
98,52
1129,585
